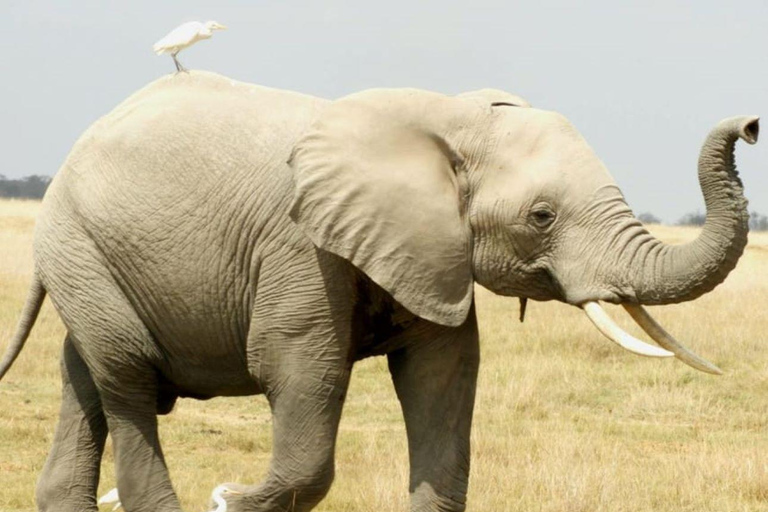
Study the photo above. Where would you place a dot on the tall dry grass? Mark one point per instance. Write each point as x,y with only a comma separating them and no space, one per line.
565,421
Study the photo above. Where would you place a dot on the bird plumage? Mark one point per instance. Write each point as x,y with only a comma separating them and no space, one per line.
218,496
109,498
184,36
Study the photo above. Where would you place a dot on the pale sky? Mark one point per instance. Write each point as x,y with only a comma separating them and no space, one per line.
643,81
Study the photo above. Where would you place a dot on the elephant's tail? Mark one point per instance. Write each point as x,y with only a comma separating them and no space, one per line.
35,298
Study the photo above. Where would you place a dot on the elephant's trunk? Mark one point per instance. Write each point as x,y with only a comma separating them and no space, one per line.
662,274
657,273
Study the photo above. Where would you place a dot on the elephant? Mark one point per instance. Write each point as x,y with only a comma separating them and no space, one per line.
215,238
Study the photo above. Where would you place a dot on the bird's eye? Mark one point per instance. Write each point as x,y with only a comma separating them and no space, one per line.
542,216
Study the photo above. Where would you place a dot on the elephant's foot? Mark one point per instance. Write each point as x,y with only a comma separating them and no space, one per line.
267,497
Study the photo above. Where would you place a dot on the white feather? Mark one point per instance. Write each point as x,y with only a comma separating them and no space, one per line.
186,35
109,498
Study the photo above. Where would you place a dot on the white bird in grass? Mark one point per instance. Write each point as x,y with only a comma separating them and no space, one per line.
183,36
218,497
109,498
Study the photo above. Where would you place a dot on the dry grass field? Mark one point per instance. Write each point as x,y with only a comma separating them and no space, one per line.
565,421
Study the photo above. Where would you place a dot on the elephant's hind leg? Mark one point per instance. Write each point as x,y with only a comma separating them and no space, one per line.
71,473
123,358
128,387
142,476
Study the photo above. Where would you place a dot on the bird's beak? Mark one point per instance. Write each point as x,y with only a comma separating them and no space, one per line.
234,492
220,27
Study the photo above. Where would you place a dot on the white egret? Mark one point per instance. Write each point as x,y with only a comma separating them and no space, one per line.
218,497
183,36
109,498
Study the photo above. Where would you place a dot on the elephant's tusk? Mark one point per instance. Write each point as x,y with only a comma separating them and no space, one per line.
523,306
663,338
616,334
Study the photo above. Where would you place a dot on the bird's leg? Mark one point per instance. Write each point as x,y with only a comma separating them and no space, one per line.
179,67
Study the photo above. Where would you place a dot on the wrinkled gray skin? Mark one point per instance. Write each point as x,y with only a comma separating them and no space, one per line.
210,238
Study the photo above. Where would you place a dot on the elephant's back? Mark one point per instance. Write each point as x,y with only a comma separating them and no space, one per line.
189,129
180,91
183,186
184,139
193,104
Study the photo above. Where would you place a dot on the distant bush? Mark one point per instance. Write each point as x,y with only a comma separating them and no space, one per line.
757,221
648,218
30,187
692,219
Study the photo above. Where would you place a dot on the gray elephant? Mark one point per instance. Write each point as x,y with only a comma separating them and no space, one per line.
210,237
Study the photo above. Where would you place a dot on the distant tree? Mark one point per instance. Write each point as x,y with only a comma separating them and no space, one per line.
648,218
9,188
30,187
758,222
692,219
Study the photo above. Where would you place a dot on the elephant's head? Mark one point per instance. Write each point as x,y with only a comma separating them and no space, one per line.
428,194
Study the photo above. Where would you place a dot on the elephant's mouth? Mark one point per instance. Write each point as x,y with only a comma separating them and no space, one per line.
669,345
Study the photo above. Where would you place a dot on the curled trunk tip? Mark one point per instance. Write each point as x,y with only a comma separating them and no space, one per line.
749,127
678,273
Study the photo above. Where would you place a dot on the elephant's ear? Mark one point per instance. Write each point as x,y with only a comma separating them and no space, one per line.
377,184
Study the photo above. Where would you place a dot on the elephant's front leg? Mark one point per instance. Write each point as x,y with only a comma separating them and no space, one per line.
300,343
71,473
306,413
435,378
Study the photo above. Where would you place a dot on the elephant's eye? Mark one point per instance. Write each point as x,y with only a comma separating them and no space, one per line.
542,217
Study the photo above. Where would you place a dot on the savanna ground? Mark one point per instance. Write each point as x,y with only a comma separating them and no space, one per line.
565,421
